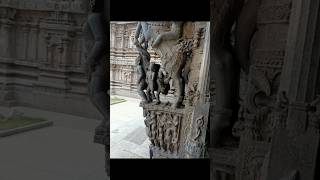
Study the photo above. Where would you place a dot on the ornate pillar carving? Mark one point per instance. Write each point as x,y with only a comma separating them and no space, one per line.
295,147
176,127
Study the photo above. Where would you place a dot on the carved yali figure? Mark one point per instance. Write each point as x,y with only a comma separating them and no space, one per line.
148,72
180,52
96,68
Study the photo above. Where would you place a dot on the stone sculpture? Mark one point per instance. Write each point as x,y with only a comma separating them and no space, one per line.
152,78
256,47
96,68
225,14
163,130
182,52
177,43
141,78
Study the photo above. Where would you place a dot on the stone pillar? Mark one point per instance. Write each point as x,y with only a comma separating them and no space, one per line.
295,149
5,40
26,44
204,77
177,126
32,48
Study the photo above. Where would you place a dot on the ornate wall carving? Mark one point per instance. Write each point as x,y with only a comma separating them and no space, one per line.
123,75
41,62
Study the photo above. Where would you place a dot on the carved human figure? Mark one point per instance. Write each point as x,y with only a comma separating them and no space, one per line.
96,68
175,135
141,79
143,63
153,127
144,29
161,128
151,124
169,132
184,54
157,132
163,84
147,122
152,76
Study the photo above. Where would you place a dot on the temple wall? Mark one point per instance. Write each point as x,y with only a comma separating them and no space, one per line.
42,56
123,76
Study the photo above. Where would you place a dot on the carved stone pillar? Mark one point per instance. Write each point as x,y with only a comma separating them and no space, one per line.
176,127
32,46
6,40
295,148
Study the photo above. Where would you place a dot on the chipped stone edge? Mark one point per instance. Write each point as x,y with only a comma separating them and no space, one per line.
4,133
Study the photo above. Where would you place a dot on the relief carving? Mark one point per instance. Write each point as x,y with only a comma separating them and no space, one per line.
180,46
163,130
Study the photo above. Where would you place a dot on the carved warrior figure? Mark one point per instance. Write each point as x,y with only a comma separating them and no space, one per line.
96,68
225,14
141,75
152,76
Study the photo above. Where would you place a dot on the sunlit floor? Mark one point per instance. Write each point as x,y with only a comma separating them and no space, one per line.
127,130
64,151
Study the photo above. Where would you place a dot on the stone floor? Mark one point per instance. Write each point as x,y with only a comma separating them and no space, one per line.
64,151
127,130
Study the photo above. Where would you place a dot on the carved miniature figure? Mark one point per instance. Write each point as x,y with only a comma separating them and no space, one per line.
152,76
163,84
161,129
171,133
141,80
144,29
151,124
153,127
168,133
147,122
175,136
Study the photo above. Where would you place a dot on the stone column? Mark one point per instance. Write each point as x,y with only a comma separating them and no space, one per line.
295,149
204,77
32,45
5,34
26,42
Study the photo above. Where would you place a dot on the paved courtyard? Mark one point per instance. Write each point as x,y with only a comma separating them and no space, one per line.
64,151
127,130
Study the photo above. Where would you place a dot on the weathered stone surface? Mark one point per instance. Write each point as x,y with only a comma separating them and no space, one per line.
41,62
123,74
176,127
268,115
